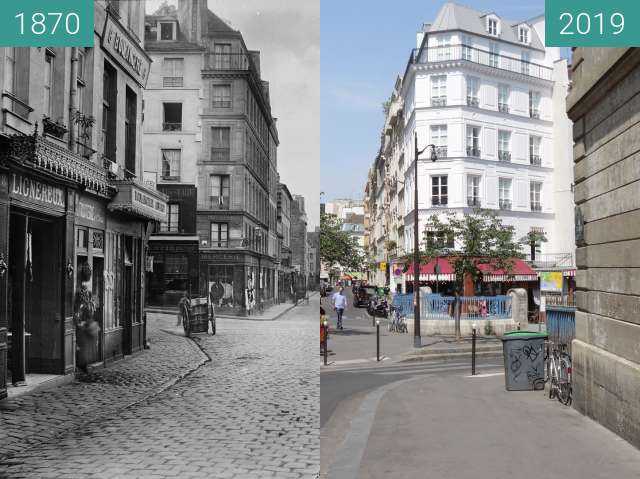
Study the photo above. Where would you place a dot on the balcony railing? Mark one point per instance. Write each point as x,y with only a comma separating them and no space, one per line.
505,204
220,154
535,160
171,126
481,57
534,112
473,101
442,152
172,82
229,61
503,107
219,202
474,201
473,151
504,156
438,101
536,206
550,260
438,201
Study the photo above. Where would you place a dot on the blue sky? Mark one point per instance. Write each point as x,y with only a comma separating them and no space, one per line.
365,44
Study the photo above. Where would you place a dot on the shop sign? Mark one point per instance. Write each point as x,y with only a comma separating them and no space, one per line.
133,198
383,266
90,211
117,42
551,281
235,258
25,188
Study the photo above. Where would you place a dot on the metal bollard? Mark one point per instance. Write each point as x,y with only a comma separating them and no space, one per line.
473,350
326,330
378,340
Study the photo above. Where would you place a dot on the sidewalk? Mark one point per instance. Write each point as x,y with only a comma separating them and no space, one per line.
471,428
41,415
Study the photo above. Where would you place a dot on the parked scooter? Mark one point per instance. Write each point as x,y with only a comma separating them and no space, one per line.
378,308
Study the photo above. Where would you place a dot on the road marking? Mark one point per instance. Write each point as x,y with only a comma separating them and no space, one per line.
487,375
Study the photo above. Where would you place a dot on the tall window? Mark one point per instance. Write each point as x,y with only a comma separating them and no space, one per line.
504,145
17,79
222,55
443,48
221,96
473,141
173,218
534,104
439,191
504,193
525,62
172,73
109,95
535,157
466,47
439,139
439,90
494,52
492,26
219,235
220,144
504,92
130,122
172,117
48,85
472,91
220,192
171,164
535,192
473,191
523,35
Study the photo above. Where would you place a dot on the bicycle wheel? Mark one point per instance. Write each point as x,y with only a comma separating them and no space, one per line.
564,381
553,379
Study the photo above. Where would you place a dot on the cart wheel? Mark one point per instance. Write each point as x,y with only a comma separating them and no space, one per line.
186,323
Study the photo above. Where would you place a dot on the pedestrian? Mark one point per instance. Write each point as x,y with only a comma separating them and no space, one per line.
339,301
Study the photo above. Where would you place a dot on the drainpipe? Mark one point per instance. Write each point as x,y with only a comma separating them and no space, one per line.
73,97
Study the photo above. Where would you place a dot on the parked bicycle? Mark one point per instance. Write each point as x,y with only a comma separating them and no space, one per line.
558,372
397,323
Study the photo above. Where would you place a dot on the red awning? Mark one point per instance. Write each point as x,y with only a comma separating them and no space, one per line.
428,273
520,271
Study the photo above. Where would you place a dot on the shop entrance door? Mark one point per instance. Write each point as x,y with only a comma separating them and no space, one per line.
35,248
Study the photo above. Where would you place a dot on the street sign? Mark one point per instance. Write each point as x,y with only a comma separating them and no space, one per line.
383,265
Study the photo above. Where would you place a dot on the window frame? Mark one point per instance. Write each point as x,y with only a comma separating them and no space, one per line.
439,86
224,151
442,190
221,103
219,243
171,126
170,162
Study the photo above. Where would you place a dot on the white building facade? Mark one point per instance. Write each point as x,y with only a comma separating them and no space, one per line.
487,93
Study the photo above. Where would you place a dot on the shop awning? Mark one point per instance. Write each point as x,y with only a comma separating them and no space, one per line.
428,271
137,199
520,271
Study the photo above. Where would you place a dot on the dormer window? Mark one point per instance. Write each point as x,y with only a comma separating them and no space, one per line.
167,31
523,35
493,26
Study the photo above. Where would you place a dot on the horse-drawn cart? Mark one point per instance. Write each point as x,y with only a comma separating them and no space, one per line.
196,314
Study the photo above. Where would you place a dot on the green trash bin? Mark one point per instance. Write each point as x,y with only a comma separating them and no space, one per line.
523,353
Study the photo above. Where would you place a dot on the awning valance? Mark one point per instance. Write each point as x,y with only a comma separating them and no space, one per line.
428,271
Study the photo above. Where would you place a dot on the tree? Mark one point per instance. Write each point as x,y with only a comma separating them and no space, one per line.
338,247
532,239
481,238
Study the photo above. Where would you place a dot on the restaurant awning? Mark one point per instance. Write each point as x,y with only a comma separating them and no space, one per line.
520,271
428,271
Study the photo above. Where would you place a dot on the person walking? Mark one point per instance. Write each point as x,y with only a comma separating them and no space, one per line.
339,304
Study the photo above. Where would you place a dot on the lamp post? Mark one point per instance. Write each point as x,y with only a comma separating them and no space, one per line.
259,275
417,341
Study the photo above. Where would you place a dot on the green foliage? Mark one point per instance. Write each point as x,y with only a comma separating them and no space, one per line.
488,329
533,237
338,247
480,238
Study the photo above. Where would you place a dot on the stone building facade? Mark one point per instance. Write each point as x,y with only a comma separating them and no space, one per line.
212,116
604,104
74,211
299,243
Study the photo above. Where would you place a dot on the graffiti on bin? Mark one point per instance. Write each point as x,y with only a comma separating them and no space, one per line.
522,361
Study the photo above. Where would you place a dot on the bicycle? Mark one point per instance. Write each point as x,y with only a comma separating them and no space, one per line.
397,323
558,372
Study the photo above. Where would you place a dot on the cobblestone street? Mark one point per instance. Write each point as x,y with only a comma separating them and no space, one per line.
251,411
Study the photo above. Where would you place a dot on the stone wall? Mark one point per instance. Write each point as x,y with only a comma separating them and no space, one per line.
604,105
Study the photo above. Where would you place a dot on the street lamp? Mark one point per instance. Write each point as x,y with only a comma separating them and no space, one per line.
417,341
258,292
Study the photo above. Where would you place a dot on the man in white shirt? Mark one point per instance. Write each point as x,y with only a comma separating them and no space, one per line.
339,301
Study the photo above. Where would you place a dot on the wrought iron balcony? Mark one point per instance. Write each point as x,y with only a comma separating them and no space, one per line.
438,101
448,53
219,202
474,201
536,206
439,201
534,112
473,151
172,82
504,156
220,154
442,152
473,101
172,126
505,204
550,260
503,107
535,160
